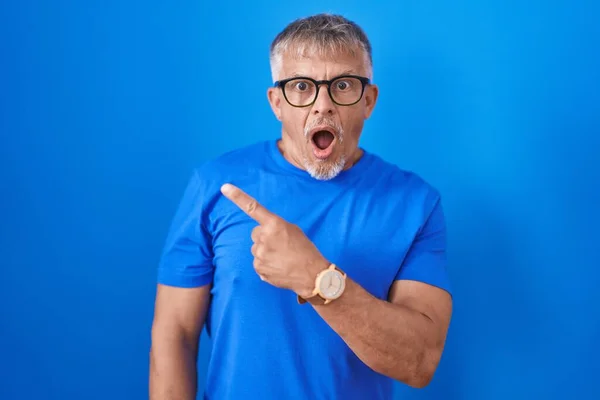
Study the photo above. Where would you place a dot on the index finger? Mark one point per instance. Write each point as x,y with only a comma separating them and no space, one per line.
247,204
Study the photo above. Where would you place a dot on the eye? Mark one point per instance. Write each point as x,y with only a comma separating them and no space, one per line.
342,85
301,86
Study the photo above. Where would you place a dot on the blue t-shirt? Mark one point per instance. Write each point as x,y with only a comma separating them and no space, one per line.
378,223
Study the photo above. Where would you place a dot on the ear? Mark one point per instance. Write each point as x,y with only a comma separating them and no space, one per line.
274,97
371,94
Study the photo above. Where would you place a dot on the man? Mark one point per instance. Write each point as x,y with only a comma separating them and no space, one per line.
318,268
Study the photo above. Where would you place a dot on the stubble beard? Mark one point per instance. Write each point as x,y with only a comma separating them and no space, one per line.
328,169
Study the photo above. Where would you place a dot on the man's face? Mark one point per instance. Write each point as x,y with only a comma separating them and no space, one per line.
322,138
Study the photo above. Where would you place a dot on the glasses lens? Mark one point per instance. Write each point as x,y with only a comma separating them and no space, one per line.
346,90
300,92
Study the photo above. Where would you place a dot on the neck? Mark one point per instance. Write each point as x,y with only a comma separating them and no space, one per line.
356,155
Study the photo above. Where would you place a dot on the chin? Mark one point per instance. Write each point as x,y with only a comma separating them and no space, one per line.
324,170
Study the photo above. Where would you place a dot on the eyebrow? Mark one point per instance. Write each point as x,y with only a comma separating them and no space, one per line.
345,72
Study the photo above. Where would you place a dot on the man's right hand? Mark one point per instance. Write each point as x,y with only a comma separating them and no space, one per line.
179,316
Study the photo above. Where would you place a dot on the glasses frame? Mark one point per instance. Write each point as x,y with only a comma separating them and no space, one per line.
281,84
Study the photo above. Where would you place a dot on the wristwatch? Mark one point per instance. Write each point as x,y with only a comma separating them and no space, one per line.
329,284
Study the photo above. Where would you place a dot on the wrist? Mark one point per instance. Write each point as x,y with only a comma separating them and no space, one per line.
329,284
312,270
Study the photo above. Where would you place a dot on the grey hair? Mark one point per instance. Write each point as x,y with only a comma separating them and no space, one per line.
325,35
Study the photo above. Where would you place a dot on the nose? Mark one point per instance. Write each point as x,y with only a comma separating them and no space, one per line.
323,104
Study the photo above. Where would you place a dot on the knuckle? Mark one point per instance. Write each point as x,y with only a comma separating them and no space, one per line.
256,234
260,252
251,207
275,226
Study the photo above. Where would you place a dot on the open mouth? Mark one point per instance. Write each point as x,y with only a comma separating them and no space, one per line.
323,139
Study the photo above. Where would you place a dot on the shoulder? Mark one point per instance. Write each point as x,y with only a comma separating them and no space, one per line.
403,193
414,200
211,174
234,160
206,177
407,184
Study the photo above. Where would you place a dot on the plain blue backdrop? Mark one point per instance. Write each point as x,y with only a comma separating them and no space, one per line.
106,106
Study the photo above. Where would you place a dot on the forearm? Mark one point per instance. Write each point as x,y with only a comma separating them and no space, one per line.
393,340
173,370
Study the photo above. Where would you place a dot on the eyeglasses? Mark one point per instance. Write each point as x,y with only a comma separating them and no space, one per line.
344,90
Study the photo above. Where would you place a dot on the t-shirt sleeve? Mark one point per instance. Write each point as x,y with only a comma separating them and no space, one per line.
186,259
426,258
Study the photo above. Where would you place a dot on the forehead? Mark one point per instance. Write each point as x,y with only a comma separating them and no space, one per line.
322,66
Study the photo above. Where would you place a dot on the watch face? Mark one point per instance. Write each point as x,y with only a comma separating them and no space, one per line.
331,284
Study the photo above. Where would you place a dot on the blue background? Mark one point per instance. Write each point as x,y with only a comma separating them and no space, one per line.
107,105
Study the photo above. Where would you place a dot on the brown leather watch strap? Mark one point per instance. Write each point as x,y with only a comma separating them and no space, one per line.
302,300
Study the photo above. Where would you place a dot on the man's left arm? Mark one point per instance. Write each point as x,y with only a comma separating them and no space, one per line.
403,336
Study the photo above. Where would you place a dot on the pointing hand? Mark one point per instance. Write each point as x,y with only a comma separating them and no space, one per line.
283,255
